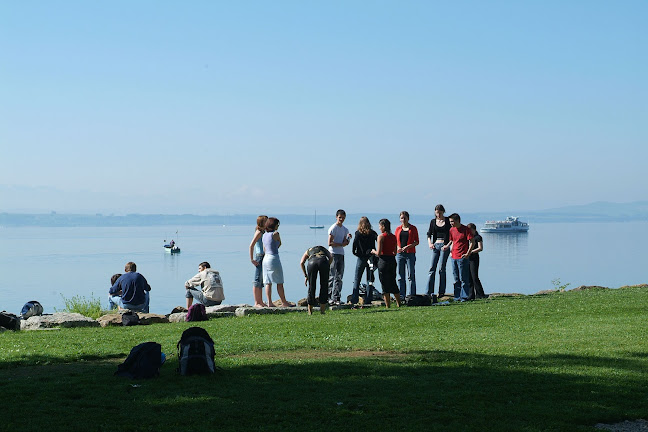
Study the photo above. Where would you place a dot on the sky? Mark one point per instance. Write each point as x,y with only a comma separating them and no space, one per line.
211,107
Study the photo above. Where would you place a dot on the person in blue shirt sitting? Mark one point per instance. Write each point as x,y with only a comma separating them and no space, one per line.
130,290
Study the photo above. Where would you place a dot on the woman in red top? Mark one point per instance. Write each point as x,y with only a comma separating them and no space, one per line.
386,252
407,239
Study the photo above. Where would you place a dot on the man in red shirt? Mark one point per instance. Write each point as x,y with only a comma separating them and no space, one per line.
460,236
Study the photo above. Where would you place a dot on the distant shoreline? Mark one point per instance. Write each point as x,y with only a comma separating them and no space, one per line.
99,220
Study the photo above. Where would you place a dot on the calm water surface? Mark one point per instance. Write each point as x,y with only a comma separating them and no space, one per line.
45,264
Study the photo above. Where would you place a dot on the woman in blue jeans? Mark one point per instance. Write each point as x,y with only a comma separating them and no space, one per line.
438,235
363,243
407,239
256,258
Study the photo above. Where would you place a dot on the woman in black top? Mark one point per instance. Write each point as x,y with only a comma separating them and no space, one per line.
438,235
364,242
473,259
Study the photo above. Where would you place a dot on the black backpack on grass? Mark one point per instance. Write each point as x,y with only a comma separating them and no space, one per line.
144,361
195,352
419,300
130,318
9,321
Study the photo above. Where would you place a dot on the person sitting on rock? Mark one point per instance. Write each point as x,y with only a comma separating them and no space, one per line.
211,287
130,290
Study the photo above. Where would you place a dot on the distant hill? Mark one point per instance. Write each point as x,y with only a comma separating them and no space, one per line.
593,212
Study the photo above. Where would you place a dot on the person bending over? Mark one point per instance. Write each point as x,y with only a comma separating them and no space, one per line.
319,262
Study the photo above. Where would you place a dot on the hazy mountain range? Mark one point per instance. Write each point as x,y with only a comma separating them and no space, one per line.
593,212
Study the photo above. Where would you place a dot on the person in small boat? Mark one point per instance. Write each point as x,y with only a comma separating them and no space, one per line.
130,290
319,262
473,259
272,268
206,287
386,253
256,258
172,244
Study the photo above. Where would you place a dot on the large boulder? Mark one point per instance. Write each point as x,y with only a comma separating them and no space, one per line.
545,292
111,319
181,316
245,311
115,319
177,317
150,318
58,319
224,308
589,287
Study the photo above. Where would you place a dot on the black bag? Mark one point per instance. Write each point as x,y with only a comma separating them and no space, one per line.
195,352
9,321
418,300
144,361
130,318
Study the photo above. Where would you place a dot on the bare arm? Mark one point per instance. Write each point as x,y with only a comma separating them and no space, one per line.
479,248
302,262
277,237
471,244
257,236
379,246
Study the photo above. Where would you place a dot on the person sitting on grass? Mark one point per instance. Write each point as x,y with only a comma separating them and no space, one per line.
319,262
130,290
211,287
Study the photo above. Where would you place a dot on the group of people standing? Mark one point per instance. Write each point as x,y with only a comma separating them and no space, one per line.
393,254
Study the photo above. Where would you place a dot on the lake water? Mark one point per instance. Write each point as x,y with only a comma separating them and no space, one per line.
45,264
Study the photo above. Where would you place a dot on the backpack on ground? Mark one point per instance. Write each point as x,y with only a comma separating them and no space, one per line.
195,352
9,321
130,318
196,312
31,308
144,361
418,300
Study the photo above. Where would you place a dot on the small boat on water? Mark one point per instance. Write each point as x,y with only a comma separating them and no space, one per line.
171,247
315,226
512,224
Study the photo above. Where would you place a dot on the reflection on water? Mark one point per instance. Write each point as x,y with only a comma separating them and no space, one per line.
509,248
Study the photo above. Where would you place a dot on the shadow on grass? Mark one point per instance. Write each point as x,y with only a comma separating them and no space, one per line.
424,390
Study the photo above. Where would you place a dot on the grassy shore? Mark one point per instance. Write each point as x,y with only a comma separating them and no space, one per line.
560,362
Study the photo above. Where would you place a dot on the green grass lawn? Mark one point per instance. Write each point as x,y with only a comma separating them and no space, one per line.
561,362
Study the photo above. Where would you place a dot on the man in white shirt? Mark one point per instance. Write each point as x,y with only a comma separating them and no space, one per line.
338,238
206,287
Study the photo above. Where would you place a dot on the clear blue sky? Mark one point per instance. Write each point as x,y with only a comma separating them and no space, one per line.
288,106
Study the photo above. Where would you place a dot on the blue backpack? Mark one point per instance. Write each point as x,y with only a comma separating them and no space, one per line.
31,308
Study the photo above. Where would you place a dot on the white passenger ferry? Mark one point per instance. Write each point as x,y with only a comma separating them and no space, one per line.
511,224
